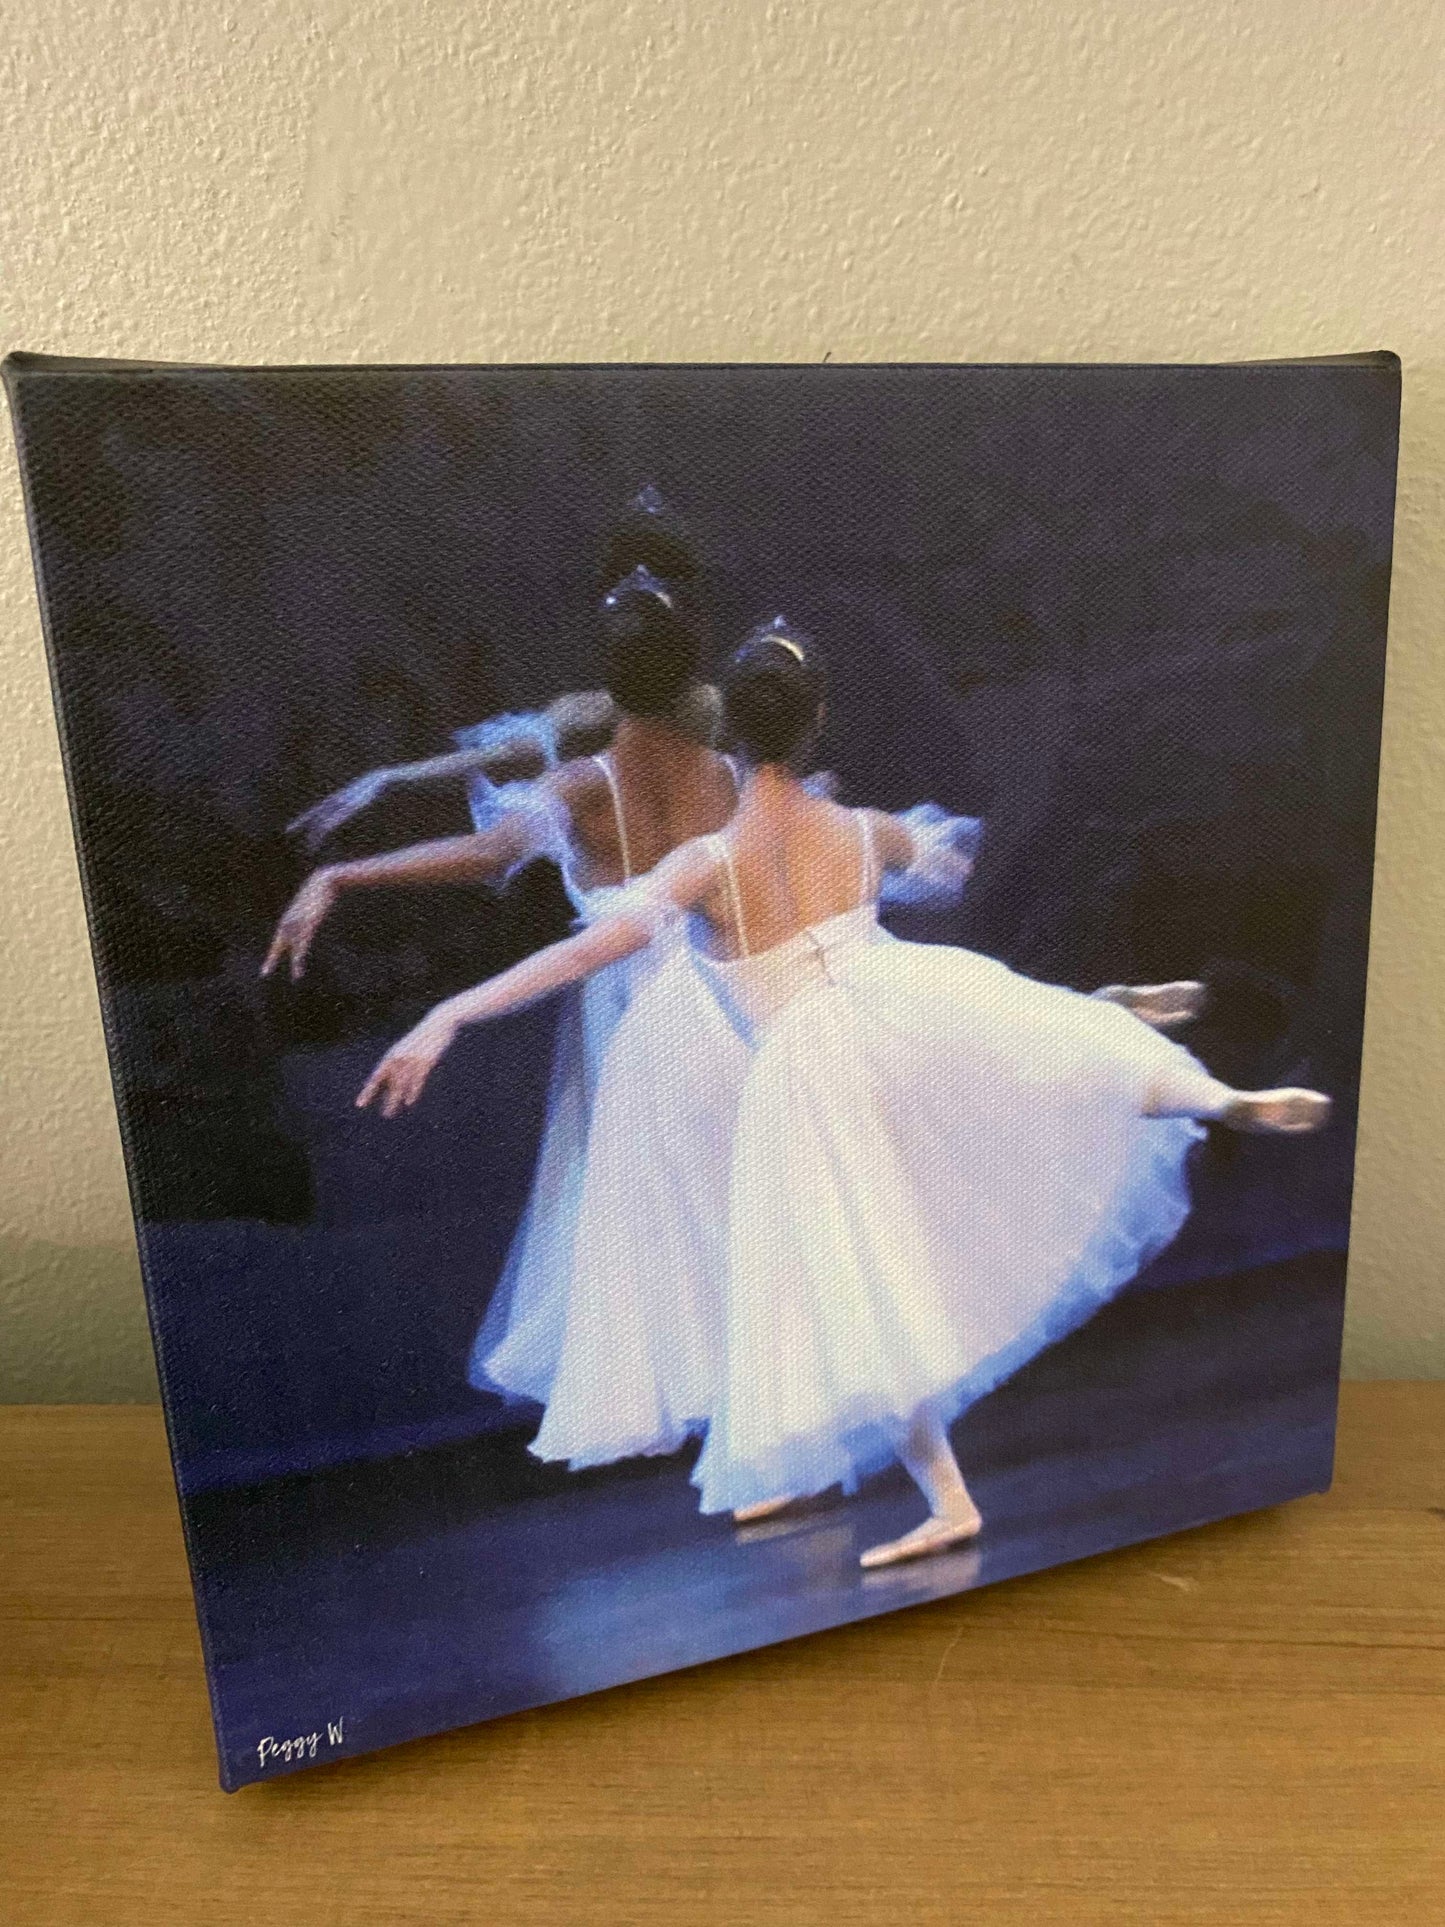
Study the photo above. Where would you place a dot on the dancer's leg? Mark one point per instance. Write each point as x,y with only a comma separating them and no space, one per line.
928,1458
1185,1090
1286,1113
953,1517
1161,1006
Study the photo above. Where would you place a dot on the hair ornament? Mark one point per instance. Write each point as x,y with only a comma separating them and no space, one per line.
777,631
640,581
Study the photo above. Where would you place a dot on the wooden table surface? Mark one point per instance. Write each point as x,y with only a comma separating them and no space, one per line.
1244,1723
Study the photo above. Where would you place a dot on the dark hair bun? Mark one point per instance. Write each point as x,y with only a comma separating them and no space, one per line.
653,649
773,692
648,535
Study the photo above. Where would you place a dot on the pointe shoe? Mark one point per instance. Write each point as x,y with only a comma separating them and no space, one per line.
1285,1113
1161,1006
934,1535
747,1515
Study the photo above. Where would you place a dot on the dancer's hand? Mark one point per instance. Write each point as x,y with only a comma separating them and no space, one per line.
323,819
400,1077
302,918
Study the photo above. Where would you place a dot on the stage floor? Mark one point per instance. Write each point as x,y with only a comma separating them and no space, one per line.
392,1599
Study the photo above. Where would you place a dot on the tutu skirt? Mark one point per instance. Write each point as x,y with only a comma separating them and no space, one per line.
782,1203
608,1310
939,1168
812,1202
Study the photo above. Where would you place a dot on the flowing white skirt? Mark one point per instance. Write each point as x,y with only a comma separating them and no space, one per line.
608,1311
939,1168
897,1190
516,1349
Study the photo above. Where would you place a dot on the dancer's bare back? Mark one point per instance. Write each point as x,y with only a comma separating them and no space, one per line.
634,805
797,860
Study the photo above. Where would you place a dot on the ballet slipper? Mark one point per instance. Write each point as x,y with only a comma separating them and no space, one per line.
934,1535
746,1515
1284,1113
1161,1006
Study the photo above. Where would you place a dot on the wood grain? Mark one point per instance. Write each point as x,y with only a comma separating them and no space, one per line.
1245,1723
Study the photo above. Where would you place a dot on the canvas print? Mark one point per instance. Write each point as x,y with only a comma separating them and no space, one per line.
735,993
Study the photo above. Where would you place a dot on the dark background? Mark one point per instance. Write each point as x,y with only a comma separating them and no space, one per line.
1132,616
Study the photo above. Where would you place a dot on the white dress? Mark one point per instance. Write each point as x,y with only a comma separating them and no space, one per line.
939,1167
618,1092
840,1178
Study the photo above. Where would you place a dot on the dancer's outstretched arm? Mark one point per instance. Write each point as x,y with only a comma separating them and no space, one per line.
513,749
677,883
478,858
579,723
513,759
325,818
400,1077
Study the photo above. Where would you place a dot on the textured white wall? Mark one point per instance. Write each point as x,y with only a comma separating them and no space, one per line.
448,180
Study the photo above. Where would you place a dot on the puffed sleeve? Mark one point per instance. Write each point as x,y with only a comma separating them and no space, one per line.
944,848
516,728
523,729
822,783
535,812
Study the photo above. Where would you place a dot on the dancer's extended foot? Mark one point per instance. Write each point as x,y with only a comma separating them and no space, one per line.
1281,1113
934,1535
747,1515
1161,1006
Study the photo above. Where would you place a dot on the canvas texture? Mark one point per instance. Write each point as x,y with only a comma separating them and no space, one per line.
808,872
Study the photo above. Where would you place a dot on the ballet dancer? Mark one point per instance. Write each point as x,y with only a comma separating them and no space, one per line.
604,820
931,1167
549,783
